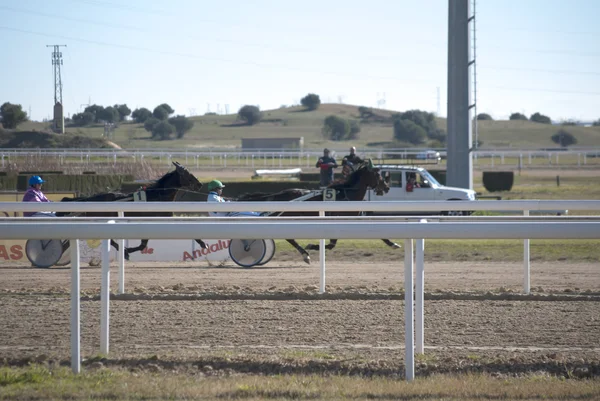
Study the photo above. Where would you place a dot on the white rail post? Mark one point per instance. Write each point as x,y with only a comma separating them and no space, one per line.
121,259
409,324
526,262
75,308
322,260
105,296
420,297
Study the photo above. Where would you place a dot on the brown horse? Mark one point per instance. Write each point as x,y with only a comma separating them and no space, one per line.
168,188
354,188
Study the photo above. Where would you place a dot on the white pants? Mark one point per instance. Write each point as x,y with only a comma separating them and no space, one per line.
44,214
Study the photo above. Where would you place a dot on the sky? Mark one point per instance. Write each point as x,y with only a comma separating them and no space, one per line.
198,56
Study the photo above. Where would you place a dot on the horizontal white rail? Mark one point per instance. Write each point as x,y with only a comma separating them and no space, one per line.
375,206
65,229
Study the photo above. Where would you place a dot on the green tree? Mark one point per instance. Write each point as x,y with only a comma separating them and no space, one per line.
484,116
311,101
12,115
421,119
336,128
162,131
518,116
150,123
109,115
141,115
564,138
96,110
596,123
182,125
365,112
540,118
408,131
161,113
123,110
168,108
83,119
250,114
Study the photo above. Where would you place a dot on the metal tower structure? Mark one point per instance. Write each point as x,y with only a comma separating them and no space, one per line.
460,142
56,63
59,118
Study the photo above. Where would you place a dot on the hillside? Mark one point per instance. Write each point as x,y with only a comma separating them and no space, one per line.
223,131
38,139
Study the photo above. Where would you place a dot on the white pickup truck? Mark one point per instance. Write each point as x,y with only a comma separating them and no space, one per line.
425,187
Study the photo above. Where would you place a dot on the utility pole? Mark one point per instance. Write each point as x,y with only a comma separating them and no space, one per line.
460,160
59,118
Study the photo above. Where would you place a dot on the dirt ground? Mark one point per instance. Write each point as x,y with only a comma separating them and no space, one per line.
228,320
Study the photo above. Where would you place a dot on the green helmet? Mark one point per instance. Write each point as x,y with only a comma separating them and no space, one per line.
215,184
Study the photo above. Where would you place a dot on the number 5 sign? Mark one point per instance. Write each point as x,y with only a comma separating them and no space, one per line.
329,194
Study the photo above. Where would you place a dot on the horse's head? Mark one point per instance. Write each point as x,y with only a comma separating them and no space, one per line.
371,177
180,178
187,179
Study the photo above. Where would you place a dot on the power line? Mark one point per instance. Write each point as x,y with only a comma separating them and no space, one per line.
545,90
286,49
406,81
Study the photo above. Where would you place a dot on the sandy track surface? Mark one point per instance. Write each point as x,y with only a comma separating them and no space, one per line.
155,328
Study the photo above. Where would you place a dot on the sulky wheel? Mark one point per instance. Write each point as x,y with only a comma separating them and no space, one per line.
44,253
247,252
269,252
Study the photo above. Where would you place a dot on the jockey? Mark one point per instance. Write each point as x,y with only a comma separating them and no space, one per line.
216,190
35,194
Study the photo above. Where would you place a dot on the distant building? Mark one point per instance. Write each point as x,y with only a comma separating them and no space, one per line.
272,143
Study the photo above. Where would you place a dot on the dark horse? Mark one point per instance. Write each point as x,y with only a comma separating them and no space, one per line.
168,188
354,188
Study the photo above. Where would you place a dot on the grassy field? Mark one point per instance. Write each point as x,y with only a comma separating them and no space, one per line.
222,131
39,382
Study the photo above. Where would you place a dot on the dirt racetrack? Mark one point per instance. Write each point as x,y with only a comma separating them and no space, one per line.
228,320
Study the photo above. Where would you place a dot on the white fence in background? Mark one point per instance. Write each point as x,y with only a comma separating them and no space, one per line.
277,158
515,227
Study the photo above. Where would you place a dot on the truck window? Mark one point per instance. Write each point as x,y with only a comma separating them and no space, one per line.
422,181
393,179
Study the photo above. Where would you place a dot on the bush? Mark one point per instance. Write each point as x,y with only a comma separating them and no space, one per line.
484,117
182,125
596,123
540,118
408,131
162,131
311,101
365,112
340,129
151,123
141,115
495,181
518,116
83,119
404,127
12,115
160,113
564,138
250,114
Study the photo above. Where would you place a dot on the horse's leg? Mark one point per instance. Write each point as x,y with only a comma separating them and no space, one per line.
391,244
201,243
302,251
315,247
141,247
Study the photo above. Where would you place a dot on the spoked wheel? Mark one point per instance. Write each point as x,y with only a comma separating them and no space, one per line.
44,253
269,252
247,252
65,259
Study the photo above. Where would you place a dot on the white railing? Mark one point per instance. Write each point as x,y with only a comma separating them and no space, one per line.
374,206
256,158
231,228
